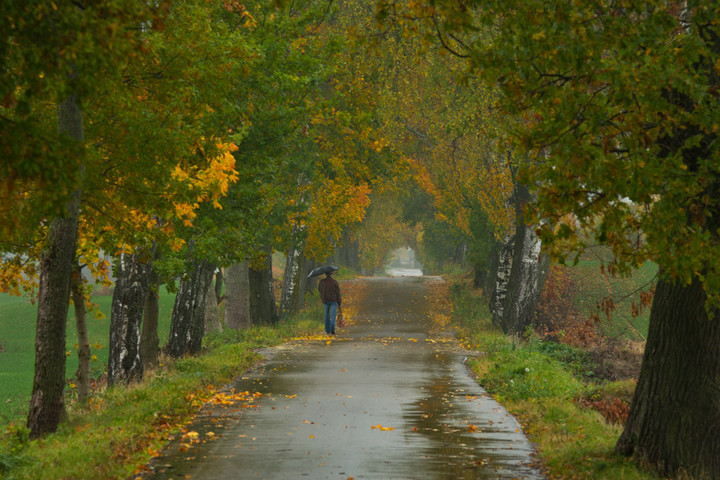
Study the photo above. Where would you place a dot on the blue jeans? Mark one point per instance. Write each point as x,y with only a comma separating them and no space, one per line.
330,314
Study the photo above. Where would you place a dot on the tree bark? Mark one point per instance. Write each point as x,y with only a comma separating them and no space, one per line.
218,286
149,339
212,313
262,293
83,371
348,253
293,291
310,283
237,296
503,268
674,420
187,325
131,289
56,267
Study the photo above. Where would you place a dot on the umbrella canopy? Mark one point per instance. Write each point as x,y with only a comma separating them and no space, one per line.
323,269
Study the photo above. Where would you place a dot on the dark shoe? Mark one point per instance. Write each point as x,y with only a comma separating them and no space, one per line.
332,333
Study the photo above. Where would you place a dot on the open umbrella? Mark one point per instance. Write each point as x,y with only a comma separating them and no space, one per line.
322,270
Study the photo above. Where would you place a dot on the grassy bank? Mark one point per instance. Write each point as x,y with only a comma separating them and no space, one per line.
122,428
17,347
547,387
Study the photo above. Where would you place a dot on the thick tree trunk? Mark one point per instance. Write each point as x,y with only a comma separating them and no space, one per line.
126,315
149,339
293,291
212,312
56,267
674,421
83,371
262,293
237,296
187,325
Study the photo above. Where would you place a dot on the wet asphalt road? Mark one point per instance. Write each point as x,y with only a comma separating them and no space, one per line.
388,398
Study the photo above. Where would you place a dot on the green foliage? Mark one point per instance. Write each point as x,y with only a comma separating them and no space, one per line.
612,108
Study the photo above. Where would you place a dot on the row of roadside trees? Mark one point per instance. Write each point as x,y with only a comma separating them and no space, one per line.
163,141
608,115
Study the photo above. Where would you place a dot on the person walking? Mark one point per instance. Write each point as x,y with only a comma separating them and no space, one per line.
329,290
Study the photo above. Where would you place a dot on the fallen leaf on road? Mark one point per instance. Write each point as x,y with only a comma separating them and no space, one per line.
380,427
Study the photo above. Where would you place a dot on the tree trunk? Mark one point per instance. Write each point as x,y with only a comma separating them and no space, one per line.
674,420
237,296
83,371
187,326
348,253
293,291
310,283
212,313
149,340
515,307
479,274
131,289
262,293
524,286
503,268
492,271
56,267
218,286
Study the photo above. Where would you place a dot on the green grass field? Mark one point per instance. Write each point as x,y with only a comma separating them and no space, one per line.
17,351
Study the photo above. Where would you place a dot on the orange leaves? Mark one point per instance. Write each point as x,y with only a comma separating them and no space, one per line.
381,428
206,185
334,206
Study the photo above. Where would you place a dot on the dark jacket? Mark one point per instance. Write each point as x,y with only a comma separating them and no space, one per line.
329,290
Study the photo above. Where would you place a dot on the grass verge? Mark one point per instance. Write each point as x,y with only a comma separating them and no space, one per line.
122,428
543,384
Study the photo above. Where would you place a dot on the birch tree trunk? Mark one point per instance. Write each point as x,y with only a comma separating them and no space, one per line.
187,326
262,293
237,296
131,289
83,371
56,267
503,268
293,291
521,274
